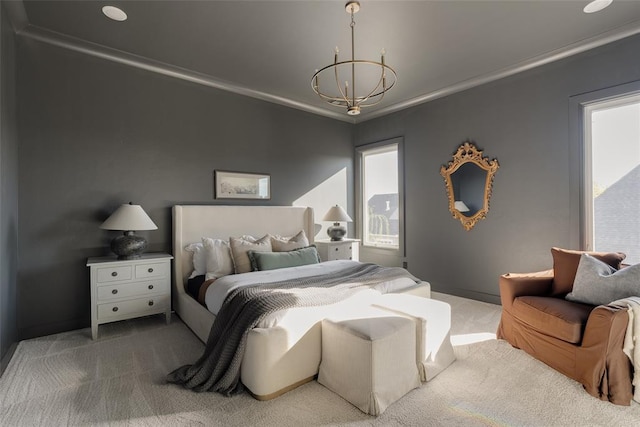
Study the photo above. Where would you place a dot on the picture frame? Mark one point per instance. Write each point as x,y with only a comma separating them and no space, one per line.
241,185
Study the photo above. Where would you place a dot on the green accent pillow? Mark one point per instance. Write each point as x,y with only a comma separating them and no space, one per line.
261,261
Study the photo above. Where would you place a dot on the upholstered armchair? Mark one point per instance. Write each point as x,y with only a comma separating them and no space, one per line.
584,342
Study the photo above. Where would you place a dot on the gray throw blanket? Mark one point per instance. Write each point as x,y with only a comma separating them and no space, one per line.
218,369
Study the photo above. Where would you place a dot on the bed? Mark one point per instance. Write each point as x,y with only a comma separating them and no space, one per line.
277,359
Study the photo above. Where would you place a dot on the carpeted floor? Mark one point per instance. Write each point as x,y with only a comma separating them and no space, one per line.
68,379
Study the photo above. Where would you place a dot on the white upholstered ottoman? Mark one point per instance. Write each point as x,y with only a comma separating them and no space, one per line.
370,362
434,351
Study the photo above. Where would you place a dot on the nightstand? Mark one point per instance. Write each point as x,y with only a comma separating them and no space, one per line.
331,250
129,288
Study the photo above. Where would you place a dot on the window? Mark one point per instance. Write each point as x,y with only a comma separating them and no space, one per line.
612,176
380,203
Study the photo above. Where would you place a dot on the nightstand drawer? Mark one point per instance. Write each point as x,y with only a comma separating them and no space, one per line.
347,249
341,252
125,290
144,271
137,307
114,274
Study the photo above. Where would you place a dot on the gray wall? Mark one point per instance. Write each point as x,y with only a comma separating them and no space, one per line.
8,191
523,121
95,134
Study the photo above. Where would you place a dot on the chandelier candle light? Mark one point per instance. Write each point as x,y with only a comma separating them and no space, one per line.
346,96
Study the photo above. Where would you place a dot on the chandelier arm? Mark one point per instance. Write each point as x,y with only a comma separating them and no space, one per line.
315,85
381,92
376,102
377,97
333,100
384,89
344,96
371,94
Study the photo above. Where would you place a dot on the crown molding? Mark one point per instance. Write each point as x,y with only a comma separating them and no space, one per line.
619,33
121,57
19,20
17,15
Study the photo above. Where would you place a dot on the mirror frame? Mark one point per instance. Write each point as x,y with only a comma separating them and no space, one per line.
469,153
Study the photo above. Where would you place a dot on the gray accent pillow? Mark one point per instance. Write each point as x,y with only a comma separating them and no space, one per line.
597,283
261,261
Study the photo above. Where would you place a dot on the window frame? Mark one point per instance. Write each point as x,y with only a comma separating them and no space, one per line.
360,152
580,234
587,181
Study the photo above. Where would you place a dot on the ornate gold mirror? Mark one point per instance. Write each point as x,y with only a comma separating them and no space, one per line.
469,180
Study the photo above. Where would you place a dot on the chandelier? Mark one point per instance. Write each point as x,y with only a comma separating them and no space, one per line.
378,77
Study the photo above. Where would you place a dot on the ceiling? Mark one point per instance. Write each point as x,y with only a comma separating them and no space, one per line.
270,49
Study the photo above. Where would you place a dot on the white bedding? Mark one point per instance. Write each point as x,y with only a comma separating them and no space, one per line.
277,359
300,318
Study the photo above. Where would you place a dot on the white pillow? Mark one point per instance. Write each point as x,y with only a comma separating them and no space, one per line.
199,259
239,248
286,244
218,258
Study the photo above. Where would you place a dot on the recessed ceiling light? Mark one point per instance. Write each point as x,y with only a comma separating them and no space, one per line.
596,6
114,13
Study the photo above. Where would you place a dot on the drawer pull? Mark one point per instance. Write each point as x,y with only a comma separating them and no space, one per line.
150,302
115,291
336,249
114,274
115,308
150,286
150,270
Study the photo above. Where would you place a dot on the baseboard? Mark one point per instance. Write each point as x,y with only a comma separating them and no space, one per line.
465,293
7,358
52,328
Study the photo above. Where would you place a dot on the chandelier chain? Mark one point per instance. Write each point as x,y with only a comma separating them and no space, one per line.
353,58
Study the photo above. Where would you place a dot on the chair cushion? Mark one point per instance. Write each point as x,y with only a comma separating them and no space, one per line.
565,266
555,317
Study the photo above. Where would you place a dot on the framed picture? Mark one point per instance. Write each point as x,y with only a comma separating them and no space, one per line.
240,185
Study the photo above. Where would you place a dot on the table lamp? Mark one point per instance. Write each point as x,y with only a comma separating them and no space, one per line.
129,218
336,214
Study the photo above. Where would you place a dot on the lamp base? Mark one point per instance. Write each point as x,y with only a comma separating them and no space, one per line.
128,246
336,231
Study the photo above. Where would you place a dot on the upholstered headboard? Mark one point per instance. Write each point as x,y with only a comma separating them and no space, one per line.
191,223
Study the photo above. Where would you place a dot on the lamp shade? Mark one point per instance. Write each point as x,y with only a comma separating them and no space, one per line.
129,218
460,206
337,214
